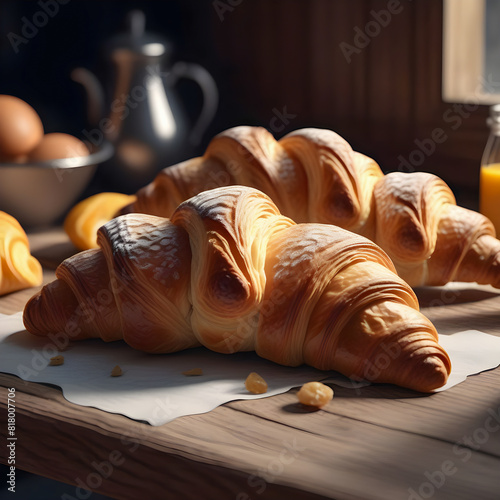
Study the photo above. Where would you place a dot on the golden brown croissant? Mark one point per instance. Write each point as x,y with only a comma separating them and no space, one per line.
18,268
229,272
313,175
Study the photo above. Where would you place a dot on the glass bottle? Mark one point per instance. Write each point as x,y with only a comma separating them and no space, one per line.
489,182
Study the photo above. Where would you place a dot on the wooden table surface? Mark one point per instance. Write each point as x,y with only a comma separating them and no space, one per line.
378,442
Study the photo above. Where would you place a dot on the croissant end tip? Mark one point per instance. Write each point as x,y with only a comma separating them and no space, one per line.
421,372
49,310
431,374
29,310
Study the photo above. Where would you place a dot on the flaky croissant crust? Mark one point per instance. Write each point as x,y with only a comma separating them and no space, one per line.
313,175
231,273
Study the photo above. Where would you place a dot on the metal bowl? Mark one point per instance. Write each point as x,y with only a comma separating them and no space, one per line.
38,194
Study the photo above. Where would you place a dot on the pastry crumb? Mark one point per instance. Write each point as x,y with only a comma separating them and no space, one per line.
116,371
194,372
56,361
255,384
315,394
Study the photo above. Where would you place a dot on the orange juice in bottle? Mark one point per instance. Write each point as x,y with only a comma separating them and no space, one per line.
489,185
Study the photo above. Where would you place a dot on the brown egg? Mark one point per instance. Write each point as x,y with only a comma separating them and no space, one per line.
20,127
57,145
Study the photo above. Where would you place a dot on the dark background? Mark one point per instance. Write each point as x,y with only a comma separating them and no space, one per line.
38,70
269,59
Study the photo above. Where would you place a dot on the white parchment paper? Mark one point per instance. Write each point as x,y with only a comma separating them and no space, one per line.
153,388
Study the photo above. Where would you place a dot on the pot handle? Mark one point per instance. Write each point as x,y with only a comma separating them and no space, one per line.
208,87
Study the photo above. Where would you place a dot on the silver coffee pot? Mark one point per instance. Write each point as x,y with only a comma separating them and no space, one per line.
138,108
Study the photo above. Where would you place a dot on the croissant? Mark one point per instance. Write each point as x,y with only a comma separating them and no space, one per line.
18,268
229,272
87,216
313,175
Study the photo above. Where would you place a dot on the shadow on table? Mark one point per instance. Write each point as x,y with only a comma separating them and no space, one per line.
445,296
375,391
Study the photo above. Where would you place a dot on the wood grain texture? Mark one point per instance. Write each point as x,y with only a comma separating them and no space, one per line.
349,450
376,442
384,99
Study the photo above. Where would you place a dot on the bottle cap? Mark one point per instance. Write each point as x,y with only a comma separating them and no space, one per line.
495,112
493,120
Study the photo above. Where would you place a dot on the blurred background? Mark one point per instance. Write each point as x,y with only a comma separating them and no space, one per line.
372,70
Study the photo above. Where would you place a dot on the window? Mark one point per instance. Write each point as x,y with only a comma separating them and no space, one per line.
471,51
